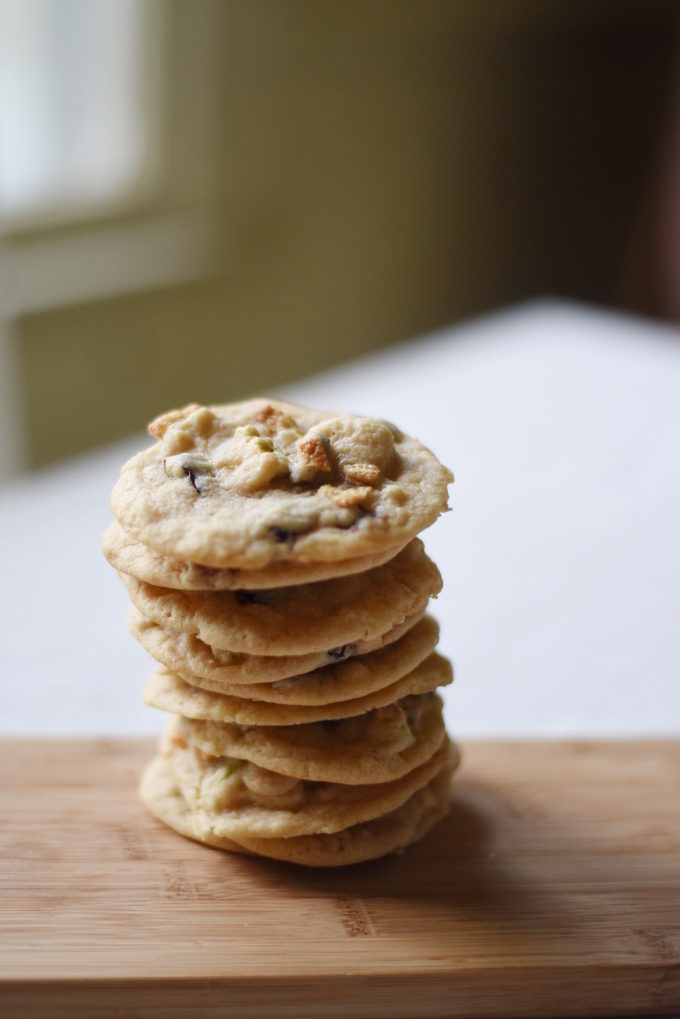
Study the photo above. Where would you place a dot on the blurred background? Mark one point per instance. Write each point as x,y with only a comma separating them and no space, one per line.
202,200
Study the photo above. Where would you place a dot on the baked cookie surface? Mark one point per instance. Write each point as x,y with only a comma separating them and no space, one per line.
217,669
127,555
237,799
344,679
249,484
167,691
378,746
390,833
302,619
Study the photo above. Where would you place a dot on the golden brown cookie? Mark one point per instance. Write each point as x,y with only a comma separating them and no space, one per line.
302,619
128,555
368,840
378,746
248,484
218,670
167,691
238,799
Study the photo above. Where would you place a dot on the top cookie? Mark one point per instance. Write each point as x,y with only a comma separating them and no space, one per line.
248,484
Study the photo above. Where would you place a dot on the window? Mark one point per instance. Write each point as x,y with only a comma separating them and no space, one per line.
99,197
76,111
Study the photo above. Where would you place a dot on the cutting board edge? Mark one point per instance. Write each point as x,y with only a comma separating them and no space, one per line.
510,993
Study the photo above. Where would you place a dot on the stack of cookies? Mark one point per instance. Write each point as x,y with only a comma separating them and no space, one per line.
271,556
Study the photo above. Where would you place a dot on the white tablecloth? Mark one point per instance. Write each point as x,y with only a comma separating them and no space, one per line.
561,558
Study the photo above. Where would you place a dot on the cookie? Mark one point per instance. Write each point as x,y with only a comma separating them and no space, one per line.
271,556
127,555
302,619
248,484
366,841
238,799
167,691
344,680
160,793
218,670
378,746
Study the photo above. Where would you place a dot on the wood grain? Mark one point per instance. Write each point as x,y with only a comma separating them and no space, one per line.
553,889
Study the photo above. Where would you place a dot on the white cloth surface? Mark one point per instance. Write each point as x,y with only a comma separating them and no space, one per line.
561,558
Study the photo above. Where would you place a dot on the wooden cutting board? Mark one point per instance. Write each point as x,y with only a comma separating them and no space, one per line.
553,889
